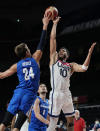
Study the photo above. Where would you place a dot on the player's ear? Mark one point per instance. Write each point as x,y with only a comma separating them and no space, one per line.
27,52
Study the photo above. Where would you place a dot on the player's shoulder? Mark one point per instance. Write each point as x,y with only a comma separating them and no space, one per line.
38,97
29,60
68,64
72,64
38,100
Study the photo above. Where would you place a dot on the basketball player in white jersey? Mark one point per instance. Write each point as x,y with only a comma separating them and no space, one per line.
61,71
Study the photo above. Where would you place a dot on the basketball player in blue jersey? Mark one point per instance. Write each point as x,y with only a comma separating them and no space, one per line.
28,73
39,113
61,71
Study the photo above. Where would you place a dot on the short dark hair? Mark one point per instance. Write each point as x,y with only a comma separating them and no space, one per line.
66,50
20,50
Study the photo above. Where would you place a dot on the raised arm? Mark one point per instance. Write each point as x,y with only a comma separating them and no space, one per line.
38,54
53,53
82,68
37,112
9,72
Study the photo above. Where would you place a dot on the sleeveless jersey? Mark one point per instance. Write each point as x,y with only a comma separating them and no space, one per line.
44,106
60,76
28,74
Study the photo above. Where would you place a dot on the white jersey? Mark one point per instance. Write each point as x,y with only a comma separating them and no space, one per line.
60,76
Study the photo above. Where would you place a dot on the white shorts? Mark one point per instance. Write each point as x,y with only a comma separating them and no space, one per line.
25,126
61,101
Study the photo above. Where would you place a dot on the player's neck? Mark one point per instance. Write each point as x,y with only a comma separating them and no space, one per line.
27,56
43,96
63,60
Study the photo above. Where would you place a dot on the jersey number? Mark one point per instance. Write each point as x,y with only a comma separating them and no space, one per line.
63,72
28,73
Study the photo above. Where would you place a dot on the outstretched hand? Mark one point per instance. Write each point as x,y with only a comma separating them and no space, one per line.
45,20
56,20
92,47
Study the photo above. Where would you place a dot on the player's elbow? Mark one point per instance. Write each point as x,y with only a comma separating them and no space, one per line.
2,76
37,115
37,56
82,70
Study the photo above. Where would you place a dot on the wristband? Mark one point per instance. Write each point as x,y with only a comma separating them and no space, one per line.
42,40
84,67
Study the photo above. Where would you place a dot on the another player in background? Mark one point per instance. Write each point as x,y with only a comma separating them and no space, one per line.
24,126
28,73
61,71
38,121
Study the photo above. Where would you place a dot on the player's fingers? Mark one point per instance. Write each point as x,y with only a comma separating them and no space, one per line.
44,15
94,43
58,17
49,15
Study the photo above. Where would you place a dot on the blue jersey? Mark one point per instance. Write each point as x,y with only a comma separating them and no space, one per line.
28,74
36,123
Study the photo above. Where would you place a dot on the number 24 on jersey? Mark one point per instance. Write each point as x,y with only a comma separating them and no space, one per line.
28,73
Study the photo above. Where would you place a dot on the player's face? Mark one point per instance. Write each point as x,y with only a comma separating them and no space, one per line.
42,89
62,54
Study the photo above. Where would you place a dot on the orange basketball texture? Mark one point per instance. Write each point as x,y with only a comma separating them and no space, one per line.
51,12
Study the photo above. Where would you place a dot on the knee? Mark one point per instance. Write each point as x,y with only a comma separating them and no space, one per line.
52,125
20,120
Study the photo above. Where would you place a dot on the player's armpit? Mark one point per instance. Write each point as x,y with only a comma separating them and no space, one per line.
37,55
76,67
9,72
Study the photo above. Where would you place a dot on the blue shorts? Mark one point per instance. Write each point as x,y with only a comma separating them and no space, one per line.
21,101
37,129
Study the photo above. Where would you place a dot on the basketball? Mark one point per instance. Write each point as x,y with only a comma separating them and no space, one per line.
51,12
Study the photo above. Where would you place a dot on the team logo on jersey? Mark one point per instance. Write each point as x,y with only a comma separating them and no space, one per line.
26,63
44,106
